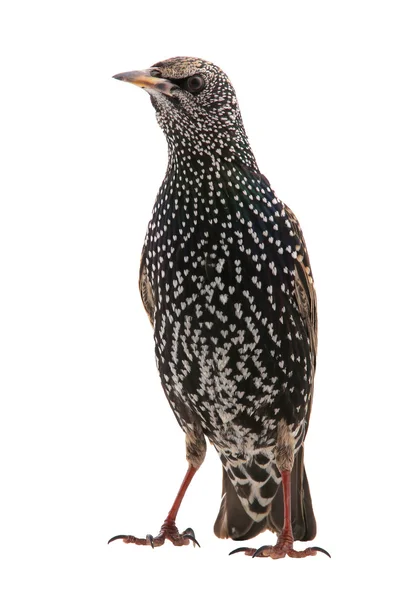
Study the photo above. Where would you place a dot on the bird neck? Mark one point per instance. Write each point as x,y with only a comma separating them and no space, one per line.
209,190
205,145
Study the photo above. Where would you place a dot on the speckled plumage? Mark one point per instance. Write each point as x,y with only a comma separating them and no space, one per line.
226,281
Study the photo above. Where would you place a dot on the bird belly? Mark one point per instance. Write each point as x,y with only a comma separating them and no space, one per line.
221,359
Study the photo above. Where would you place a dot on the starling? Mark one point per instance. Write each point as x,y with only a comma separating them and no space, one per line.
226,282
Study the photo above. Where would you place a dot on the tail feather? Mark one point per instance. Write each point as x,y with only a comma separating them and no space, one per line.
234,522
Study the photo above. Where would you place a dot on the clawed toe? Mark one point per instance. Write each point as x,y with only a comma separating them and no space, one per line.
128,539
262,551
131,539
168,532
279,552
318,549
247,551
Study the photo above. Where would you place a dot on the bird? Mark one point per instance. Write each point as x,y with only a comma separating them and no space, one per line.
226,282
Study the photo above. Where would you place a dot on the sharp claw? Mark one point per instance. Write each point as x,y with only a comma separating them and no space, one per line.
318,549
241,549
117,537
150,539
259,551
187,536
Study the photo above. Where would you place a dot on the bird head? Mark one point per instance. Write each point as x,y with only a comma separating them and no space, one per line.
196,105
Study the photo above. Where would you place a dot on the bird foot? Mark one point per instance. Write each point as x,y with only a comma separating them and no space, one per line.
168,531
280,550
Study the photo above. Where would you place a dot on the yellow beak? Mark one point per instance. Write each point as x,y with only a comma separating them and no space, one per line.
144,80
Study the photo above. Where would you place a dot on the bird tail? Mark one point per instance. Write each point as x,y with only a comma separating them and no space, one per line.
234,522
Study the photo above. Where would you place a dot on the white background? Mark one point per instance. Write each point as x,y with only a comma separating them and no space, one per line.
89,446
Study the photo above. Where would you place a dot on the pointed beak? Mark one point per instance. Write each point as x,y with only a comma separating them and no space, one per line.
146,81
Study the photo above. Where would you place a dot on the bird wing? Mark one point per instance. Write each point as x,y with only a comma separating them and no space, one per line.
304,284
146,291
305,294
303,519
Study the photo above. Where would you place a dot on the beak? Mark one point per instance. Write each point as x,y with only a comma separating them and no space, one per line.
144,80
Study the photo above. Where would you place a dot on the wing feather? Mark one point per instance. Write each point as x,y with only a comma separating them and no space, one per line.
306,296
146,291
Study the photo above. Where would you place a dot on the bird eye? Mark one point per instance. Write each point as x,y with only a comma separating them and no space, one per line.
155,73
195,84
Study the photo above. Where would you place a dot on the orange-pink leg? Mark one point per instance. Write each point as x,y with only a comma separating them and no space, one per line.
284,544
168,529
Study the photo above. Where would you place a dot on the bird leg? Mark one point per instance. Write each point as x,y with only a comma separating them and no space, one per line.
284,544
168,529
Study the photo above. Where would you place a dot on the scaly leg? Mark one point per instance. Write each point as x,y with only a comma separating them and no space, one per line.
168,529
284,544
